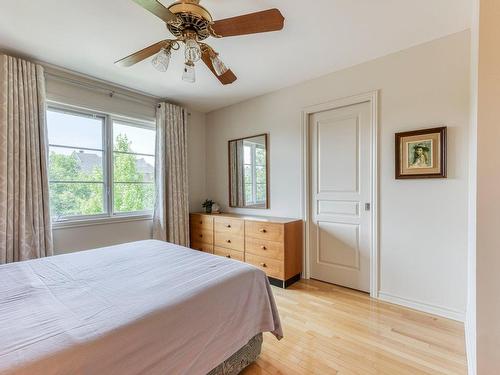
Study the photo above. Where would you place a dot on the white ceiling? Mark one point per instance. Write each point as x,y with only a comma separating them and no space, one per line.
320,36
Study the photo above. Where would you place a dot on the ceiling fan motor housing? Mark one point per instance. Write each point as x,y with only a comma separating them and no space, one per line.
190,17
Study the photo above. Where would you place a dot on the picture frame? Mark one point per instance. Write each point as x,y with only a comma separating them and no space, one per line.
421,153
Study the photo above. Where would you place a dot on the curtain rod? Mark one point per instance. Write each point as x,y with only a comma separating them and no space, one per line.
107,90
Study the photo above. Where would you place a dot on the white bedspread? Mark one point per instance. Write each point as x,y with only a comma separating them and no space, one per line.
146,307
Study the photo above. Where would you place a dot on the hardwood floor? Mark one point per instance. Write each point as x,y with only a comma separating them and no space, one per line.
334,330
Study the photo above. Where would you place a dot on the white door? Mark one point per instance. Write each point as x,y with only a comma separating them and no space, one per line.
340,228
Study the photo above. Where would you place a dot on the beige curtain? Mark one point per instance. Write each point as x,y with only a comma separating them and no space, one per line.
236,165
171,214
25,230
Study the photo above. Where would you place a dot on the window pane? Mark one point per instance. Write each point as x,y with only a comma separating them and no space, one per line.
133,168
133,175
129,138
66,164
261,192
133,197
75,130
247,155
248,193
260,174
260,156
76,199
248,174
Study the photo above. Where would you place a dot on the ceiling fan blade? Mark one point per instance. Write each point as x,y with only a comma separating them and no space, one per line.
226,78
157,9
141,55
260,22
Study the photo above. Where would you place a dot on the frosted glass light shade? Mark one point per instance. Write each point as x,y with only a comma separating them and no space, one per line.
189,74
219,66
193,50
162,60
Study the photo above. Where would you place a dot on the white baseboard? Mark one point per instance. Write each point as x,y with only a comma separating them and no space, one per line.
423,306
470,345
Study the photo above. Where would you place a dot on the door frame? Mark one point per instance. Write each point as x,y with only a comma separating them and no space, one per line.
372,98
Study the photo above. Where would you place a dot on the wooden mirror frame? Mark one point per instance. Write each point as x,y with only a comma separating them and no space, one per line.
266,142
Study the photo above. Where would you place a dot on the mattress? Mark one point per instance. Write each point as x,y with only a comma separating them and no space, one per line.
146,307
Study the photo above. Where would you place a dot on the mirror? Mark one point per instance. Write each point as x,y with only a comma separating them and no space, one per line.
248,172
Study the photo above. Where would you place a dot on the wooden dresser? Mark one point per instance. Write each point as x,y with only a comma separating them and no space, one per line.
272,244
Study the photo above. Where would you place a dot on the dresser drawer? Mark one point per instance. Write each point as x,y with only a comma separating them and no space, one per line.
264,230
229,241
271,267
202,235
229,225
206,248
202,221
229,253
265,248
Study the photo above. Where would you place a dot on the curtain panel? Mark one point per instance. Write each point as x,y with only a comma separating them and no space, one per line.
25,227
237,181
171,213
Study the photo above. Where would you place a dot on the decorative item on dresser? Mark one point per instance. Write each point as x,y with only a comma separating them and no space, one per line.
207,205
272,244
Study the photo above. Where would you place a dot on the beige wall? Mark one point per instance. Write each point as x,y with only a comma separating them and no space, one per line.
488,187
79,91
423,223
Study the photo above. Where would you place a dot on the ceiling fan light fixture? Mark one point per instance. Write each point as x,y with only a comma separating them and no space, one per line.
162,60
190,24
193,50
219,66
189,74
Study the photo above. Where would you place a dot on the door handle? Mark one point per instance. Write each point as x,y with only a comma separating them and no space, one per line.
367,206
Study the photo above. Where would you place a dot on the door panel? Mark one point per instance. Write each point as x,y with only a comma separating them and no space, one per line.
338,208
344,238
340,229
337,153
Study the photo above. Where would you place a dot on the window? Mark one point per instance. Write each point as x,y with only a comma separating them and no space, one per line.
99,165
133,167
254,160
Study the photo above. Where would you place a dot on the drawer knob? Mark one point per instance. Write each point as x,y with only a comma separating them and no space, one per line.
201,222
262,230
263,248
228,256
228,241
263,265
228,226
201,235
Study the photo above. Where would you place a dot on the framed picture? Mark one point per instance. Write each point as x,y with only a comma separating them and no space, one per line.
421,154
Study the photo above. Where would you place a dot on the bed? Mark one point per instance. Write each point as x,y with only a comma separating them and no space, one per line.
146,307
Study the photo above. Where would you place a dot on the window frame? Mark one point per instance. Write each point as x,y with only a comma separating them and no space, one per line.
109,216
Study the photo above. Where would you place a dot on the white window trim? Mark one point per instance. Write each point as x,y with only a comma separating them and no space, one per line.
63,224
109,216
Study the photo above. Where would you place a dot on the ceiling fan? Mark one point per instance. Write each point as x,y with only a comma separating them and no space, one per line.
190,23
